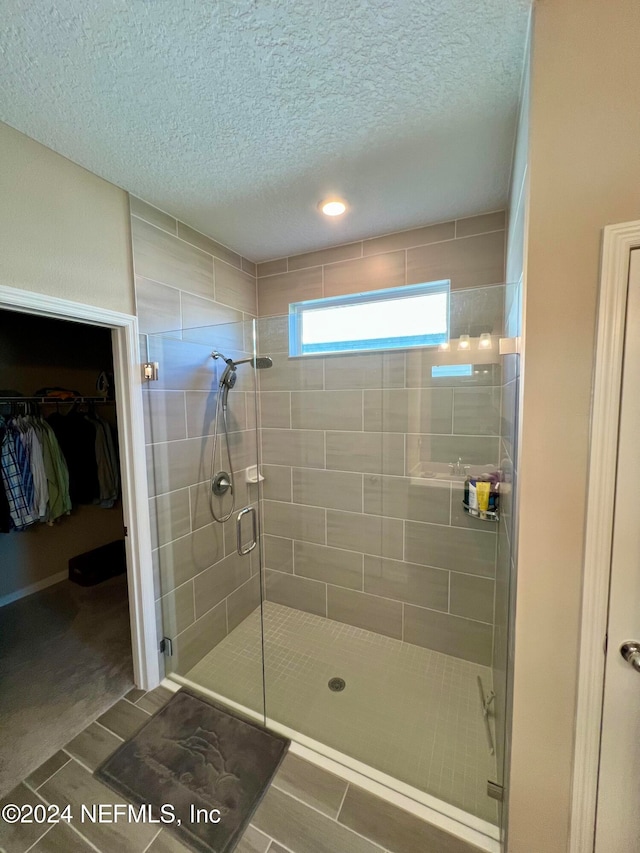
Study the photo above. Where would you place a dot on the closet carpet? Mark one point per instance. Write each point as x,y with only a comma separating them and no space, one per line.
65,657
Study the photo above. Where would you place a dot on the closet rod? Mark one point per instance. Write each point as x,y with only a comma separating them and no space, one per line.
54,400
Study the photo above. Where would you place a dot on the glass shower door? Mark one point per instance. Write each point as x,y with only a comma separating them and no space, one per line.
206,549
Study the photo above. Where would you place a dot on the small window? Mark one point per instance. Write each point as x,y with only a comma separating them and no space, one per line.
397,318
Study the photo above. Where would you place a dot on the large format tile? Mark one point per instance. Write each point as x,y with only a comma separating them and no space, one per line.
292,374
208,245
93,745
157,307
344,252
472,449
294,521
376,272
275,409
301,828
170,517
365,611
201,413
155,699
472,597
185,365
301,448
299,593
164,415
410,238
476,411
452,635
420,585
273,267
46,770
368,452
177,608
278,553
311,784
216,583
273,334
167,259
62,839
370,534
481,224
470,262
277,483
340,410
453,548
235,288
174,465
194,643
426,410
19,837
394,829
331,489
253,841
330,565
152,215
208,322
364,370
407,497
276,292
243,601
181,560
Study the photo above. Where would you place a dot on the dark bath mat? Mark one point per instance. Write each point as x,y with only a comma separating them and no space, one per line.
196,754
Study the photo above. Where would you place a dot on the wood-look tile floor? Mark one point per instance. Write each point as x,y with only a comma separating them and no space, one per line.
306,809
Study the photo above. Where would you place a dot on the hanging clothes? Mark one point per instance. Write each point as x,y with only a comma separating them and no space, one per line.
16,477
107,462
33,448
77,439
56,471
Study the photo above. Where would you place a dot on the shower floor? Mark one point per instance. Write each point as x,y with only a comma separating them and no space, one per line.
407,711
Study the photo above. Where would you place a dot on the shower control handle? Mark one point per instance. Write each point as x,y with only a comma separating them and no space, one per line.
246,549
630,651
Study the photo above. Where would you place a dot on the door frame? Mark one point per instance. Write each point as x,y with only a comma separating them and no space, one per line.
618,242
135,498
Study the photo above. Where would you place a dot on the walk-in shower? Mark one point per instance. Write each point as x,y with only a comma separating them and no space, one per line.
370,573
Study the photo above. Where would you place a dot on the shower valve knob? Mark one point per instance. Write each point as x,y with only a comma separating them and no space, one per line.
221,484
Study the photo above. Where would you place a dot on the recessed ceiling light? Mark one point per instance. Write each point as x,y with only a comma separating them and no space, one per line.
333,207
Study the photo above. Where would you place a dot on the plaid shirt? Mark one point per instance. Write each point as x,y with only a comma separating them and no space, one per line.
16,476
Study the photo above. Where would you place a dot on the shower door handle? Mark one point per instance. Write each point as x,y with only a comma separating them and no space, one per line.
246,549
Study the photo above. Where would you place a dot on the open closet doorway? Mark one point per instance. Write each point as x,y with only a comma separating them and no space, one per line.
70,650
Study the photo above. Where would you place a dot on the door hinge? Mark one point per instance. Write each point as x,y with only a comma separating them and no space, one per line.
166,647
606,643
126,531
150,371
495,791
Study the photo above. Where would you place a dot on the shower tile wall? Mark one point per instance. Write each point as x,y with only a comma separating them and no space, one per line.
185,281
353,529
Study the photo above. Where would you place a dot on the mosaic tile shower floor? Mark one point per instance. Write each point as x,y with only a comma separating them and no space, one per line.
410,712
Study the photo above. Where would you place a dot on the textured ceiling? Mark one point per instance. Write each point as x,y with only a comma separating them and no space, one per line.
238,116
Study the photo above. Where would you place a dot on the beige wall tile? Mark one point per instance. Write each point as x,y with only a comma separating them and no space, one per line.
302,448
473,450
365,611
277,291
330,565
421,361
249,266
407,239
200,509
470,262
208,245
177,464
326,410
344,252
243,601
292,374
158,306
373,273
216,583
272,267
184,366
208,322
298,522
164,415
453,548
181,560
273,334
369,452
178,610
406,497
235,288
472,597
450,635
278,553
370,534
291,591
365,370
481,224
277,482
409,410
201,413
169,260
334,489
460,518
152,215
408,582
169,517
198,639
275,409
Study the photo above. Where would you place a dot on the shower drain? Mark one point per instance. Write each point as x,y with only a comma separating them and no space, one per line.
337,684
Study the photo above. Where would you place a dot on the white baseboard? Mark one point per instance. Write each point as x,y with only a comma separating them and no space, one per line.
33,587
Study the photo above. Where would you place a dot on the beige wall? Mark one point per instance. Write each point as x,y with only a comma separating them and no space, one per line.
64,232
584,174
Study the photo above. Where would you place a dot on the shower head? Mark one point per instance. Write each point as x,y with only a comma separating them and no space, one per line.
259,363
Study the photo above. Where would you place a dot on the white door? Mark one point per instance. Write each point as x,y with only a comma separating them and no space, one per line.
618,810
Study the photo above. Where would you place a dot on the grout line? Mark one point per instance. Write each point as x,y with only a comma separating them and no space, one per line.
344,797
39,839
152,840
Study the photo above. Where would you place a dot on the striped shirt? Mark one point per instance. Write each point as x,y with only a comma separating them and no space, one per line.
16,476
